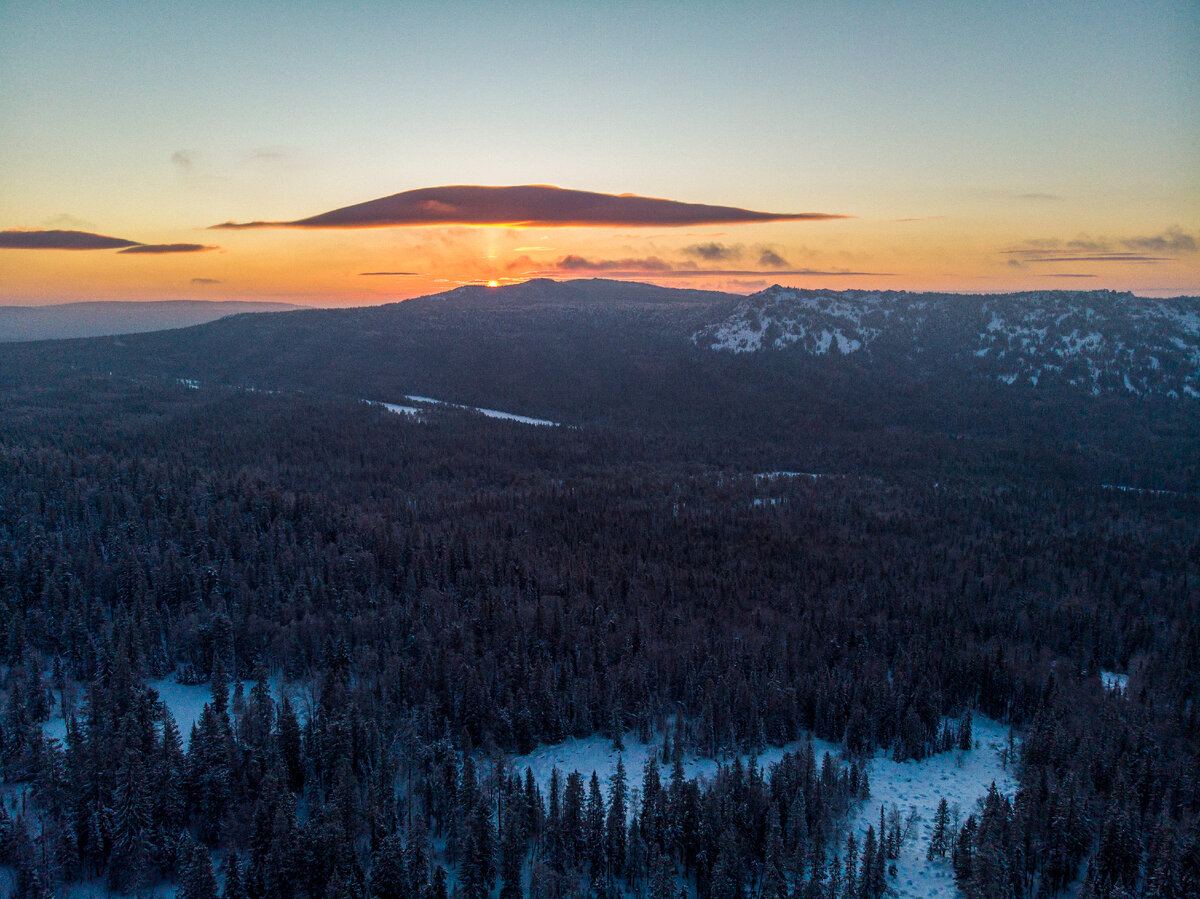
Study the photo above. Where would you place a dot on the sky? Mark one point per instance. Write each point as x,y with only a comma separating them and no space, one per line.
941,145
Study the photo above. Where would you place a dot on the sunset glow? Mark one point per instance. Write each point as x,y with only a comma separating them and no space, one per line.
946,148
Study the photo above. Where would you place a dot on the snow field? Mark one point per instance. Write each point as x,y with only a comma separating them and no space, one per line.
488,413
596,753
185,702
961,777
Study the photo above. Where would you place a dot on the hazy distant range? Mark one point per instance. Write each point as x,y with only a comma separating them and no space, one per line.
102,318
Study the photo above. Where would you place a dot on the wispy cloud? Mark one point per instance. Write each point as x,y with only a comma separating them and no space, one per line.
379,274
1147,249
66,220
655,267
1020,257
1173,240
203,281
528,205
714,251
768,258
268,155
157,248
183,160
60,240
573,263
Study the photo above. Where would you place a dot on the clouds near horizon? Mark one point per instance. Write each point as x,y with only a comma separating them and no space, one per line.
656,267
714,252
1169,244
768,258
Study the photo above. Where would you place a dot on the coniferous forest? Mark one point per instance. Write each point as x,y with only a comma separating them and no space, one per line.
386,609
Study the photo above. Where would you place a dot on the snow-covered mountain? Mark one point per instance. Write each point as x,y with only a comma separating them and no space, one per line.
1100,341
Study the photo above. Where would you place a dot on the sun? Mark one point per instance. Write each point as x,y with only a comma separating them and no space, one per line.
493,283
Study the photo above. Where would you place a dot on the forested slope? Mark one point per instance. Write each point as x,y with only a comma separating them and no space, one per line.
464,585
418,597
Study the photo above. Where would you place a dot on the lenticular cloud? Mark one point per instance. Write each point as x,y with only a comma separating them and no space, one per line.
527,205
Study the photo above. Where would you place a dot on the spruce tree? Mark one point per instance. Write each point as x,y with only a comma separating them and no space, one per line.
594,829
196,879
939,840
388,878
615,825
235,883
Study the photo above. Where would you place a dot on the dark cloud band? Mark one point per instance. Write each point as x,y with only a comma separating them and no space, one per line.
61,240
528,205
86,240
156,248
1040,256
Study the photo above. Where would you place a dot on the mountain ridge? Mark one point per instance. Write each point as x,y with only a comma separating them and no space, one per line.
1097,340
615,355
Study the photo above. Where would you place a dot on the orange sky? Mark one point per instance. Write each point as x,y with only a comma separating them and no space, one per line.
971,149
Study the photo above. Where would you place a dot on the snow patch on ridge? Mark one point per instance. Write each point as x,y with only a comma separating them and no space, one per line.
781,317
1096,341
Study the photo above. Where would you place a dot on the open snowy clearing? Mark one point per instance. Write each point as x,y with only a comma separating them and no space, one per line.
393,407
185,702
960,777
489,413
596,753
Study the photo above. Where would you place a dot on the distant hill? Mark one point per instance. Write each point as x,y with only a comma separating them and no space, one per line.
1092,387
101,319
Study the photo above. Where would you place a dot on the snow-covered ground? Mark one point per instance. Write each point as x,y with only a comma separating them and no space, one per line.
960,777
96,889
596,753
489,413
1114,681
1126,489
185,702
393,407
772,475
